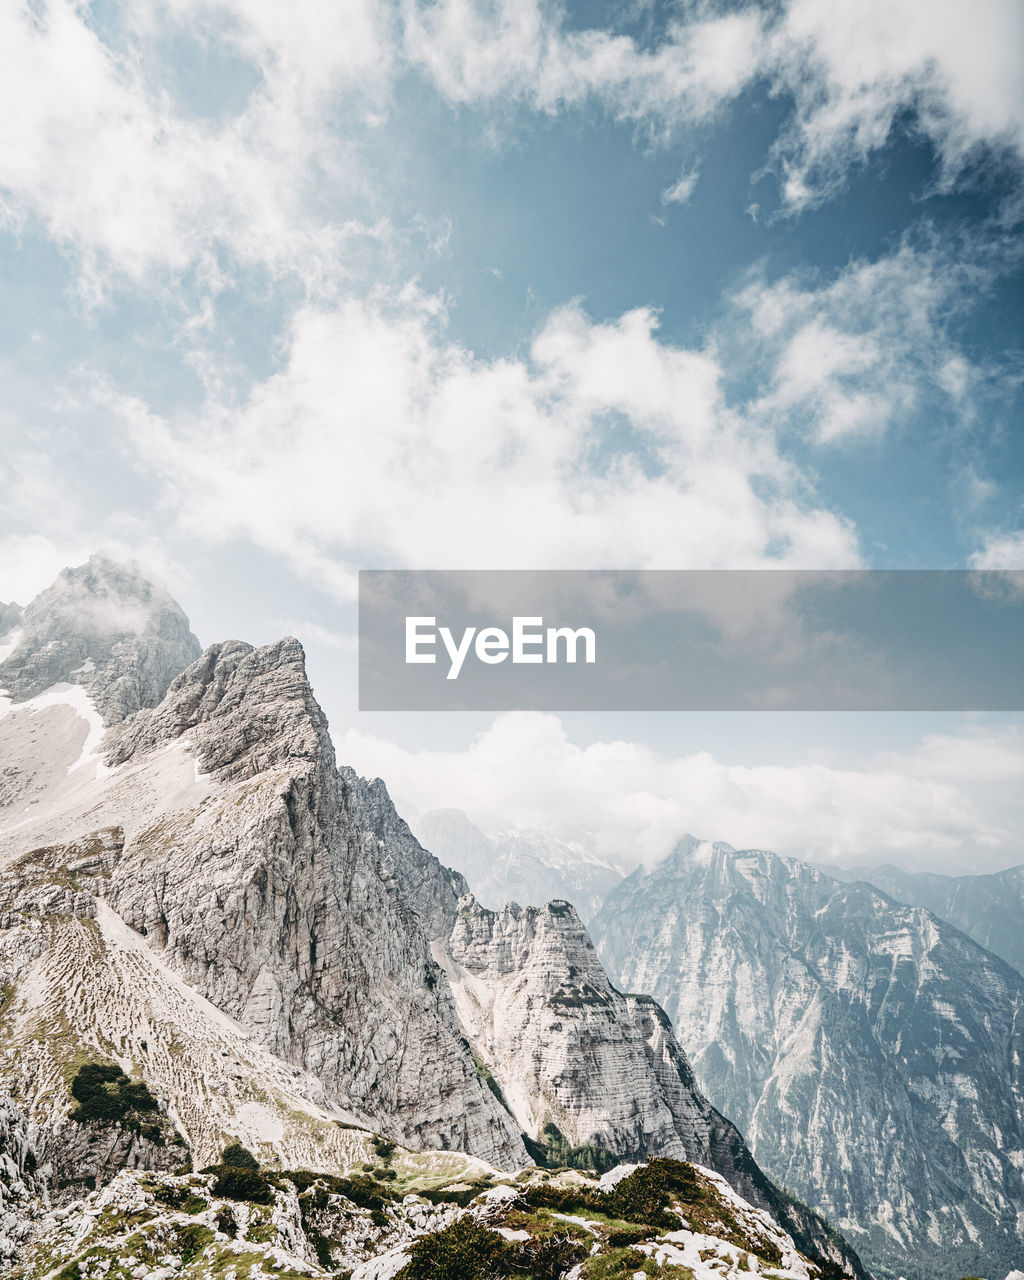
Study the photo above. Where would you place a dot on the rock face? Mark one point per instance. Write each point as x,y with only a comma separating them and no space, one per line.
18,1181
528,867
10,616
872,1054
260,890
105,627
581,1064
988,908
207,903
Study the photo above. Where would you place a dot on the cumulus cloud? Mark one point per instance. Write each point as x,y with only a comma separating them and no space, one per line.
380,442
854,67
853,355
106,151
942,801
522,50
118,169
851,70
1000,551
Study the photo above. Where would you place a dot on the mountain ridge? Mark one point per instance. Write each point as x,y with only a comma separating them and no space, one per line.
249,927
846,1033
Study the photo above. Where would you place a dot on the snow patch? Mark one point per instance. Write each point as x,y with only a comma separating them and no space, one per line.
68,695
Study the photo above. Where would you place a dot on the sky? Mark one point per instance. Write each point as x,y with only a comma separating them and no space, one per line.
290,291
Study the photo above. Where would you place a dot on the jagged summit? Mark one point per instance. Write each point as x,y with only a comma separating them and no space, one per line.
107,627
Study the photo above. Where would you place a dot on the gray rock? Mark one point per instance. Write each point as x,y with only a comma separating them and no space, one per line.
872,1054
567,1049
19,1181
10,616
106,627
988,908
269,900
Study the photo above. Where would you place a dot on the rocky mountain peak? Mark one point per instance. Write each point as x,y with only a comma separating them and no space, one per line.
107,627
246,710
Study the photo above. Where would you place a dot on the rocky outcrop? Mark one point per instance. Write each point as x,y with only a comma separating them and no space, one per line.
107,628
584,1066
244,866
266,898
19,1182
418,878
414,1211
525,866
872,1054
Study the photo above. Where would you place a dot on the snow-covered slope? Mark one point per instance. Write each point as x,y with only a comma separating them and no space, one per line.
872,1054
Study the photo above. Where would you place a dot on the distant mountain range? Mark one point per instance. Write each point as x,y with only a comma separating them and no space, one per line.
526,866
988,908
871,1052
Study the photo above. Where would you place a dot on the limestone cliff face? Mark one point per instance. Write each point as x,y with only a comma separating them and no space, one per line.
105,627
245,864
567,1049
267,898
872,1054
988,908
18,1181
10,616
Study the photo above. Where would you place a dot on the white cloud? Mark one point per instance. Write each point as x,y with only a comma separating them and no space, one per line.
379,442
106,152
682,189
940,804
101,153
520,50
1000,551
853,356
853,66
850,67
29,562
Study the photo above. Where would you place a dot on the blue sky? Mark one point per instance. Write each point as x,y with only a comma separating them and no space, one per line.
290,291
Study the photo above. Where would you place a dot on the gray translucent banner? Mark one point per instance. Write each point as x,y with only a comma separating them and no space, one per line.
668,640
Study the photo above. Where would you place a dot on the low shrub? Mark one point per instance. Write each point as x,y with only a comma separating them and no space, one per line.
240,1157
234,1183
103,1092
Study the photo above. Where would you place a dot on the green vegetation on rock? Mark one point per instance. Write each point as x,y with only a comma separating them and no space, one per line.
103,1092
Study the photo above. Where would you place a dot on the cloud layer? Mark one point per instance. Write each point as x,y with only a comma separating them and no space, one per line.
110,154
946,803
